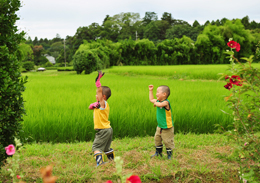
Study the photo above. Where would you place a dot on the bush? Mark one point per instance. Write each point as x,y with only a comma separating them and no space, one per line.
85,60
11,83
48,64
28,65
65,69
51,68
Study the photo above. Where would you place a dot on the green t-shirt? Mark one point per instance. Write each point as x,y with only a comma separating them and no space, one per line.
164,116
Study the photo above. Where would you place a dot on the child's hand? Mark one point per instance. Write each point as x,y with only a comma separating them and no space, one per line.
100,75
94,105
150,87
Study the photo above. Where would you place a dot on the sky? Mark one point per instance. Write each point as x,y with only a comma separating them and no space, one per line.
46,19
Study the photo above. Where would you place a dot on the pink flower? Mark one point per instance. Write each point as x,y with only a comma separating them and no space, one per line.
228,86
10,150
18,176
237,47
109,181
134,179
245,144
232,44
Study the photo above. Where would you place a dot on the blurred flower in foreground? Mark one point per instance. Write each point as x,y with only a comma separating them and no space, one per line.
235,80
47,175
10,150
133,179
233,44
228,86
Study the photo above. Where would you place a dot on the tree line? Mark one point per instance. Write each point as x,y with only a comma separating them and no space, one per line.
125,27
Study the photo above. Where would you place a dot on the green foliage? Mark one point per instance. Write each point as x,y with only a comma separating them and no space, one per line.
11,83
178,31
51,68
176,51
48,64
64,69
100,54
26,52
211,44
85,60
28,65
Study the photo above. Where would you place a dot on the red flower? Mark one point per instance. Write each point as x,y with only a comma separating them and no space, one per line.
237,47
134,179
232,44
228,86
18,176
236,80
109,181
226,77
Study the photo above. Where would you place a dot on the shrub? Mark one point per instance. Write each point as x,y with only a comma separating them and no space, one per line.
28,65
51,68
48,64
85,60
65,69
11,83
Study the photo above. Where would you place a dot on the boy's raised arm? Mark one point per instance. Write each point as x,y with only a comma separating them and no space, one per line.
99,90
151,94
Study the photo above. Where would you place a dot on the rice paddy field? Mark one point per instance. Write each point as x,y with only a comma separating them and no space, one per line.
177,71
57,103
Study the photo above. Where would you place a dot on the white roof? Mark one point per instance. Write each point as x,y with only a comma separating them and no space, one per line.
51,59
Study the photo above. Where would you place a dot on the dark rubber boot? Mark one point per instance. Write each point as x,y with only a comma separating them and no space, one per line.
99,158
158,151
169,153
110,154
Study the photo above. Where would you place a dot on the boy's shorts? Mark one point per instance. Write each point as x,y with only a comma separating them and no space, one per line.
166,136
103,139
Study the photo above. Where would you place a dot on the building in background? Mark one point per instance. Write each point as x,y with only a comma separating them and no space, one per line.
50,58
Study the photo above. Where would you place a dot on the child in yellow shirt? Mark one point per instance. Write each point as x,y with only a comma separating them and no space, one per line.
103,137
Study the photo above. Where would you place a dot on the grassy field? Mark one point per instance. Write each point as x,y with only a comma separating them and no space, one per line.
196,158
176,71
58,116
58,102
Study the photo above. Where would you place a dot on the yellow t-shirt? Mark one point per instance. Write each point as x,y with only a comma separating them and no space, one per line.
101,117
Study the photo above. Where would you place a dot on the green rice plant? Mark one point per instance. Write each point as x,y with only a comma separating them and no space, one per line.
207,72
57,106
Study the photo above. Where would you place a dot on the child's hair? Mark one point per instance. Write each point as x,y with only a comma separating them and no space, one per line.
166,89
106,91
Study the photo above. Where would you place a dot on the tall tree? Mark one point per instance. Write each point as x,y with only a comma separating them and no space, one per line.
245,22
104,21
128,24
195,24
223,21
168,17
149,16
35,41
11,83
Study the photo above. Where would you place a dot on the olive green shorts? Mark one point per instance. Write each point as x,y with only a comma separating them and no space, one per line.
103,139
165,136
